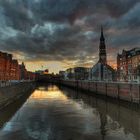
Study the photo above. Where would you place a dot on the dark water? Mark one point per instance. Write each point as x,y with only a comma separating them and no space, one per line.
53,113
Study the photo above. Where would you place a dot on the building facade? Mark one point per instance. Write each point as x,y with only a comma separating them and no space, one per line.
8,67
2,65
128,65
101,71
77,73
10,70
23,71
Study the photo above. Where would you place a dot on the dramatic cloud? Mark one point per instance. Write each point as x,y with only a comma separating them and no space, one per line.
67,31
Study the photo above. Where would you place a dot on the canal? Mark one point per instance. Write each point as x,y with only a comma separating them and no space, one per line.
60,113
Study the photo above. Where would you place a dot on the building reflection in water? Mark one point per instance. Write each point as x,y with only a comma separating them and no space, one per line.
117,122
64,114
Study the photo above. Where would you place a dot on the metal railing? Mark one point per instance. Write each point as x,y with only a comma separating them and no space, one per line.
13,82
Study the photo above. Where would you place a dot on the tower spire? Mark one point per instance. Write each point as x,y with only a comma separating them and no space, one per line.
102,34
102,48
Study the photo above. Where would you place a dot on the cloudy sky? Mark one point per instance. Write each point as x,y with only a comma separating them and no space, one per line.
58,34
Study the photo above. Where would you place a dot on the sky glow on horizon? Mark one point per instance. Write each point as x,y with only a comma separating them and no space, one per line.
59,34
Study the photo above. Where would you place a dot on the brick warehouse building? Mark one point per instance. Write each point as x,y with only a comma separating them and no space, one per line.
128,65
8,66
3,68
15,73
11,70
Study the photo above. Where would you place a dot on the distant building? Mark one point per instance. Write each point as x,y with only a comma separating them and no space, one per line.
10,70
81,73
77,73
62,74
40,72
30,75
101,71
23,72
128,65
46,71
69,74
44,75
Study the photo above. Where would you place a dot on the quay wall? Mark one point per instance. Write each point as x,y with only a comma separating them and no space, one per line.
11,93
123,91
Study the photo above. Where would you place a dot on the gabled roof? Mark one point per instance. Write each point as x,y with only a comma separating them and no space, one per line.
130,53
95,68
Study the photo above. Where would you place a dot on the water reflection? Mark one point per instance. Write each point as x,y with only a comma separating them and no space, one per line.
54,114
52,92
7,112
117,122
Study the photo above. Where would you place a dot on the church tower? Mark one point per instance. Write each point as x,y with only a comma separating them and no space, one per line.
102,49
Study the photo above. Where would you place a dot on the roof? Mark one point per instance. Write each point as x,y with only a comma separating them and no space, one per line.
95,68
130,53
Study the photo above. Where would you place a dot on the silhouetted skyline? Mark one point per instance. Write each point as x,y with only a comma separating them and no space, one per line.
60,34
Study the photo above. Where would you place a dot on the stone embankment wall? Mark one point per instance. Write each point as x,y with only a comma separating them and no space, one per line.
11,93
124,91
